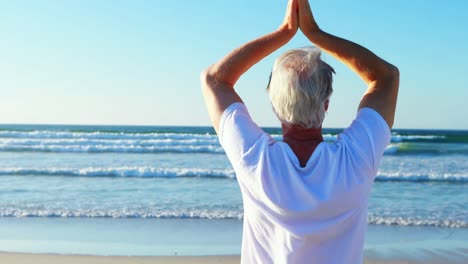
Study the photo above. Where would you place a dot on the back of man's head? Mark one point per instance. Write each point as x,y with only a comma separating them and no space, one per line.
300,85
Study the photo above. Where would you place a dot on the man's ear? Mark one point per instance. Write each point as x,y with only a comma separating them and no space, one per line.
326,104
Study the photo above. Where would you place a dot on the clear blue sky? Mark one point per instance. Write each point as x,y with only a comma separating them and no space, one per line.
138,62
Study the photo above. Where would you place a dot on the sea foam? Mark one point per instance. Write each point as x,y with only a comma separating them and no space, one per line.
206,214
148,172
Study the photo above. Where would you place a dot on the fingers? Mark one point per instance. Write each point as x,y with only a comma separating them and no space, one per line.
304,5
306,19
291,19
294,5
294,8
290,7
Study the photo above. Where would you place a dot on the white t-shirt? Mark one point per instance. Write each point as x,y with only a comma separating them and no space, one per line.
311,214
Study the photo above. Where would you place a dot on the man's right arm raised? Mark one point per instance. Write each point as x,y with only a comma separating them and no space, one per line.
381,77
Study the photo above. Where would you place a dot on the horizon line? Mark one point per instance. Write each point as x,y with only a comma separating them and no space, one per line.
202,126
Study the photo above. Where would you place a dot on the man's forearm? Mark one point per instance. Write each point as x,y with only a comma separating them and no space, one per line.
236,63
365,63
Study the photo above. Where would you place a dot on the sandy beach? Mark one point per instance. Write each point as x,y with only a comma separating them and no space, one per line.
120,241
14,258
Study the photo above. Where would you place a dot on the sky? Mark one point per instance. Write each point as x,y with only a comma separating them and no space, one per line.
138,62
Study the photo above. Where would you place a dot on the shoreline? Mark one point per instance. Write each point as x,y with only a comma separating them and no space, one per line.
56,240
24,258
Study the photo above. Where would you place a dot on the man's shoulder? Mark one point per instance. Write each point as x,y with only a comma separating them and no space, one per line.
367,137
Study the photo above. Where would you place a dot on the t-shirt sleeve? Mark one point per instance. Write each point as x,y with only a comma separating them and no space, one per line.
237,132
368,135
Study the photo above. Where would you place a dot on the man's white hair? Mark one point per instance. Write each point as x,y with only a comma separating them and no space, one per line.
300,84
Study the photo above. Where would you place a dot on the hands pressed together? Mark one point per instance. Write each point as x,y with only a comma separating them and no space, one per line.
298,15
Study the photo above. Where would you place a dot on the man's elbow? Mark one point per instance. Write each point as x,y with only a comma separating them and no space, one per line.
392,73
389,76
205,75
385,73
395,72
211,78
207,78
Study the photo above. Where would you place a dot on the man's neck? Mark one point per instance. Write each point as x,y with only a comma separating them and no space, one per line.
302,141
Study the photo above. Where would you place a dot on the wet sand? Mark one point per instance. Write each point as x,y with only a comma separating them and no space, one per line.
20,258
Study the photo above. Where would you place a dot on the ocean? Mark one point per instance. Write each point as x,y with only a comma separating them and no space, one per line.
113,174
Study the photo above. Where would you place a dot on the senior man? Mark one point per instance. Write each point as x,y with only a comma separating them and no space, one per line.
305,201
